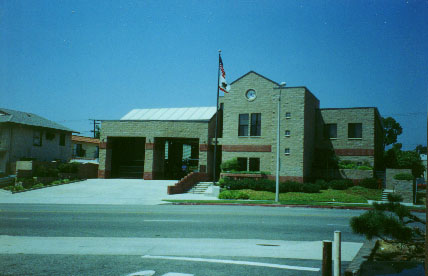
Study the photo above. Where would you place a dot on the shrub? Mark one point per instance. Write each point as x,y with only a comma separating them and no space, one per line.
394,197
371,183
39,185
403,176
69,167
18,188
290,186
65,180
56,182
323,184
43,171
340,184
311,188
364,168
9,188
233,195
230,165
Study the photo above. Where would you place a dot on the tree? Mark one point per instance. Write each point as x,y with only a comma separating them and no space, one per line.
395,158
391,130
421,149
389,221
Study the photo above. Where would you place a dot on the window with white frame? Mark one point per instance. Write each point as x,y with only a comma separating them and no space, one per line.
287,133
287,151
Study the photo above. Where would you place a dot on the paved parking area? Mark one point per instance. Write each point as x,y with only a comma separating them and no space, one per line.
101,191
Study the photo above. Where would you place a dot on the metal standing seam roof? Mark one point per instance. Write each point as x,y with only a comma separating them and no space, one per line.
26,118
171,114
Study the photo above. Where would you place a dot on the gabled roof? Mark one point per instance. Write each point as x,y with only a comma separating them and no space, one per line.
257,75
30,119
76,138
171,114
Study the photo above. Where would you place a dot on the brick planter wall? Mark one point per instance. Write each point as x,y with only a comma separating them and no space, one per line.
187,183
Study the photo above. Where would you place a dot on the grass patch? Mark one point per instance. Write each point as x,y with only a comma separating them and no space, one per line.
352,195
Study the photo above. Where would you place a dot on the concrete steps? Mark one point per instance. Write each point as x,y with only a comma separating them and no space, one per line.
385,194
200,188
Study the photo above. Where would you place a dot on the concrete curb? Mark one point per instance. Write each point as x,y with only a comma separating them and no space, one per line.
283,205
362,256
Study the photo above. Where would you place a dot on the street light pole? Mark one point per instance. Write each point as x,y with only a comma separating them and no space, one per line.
278,135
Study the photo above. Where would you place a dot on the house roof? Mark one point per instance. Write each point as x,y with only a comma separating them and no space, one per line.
30,119
171,114
76,138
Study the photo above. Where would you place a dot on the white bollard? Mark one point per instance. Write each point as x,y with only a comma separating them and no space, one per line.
337,258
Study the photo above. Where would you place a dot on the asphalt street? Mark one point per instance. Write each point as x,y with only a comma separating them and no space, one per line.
161,239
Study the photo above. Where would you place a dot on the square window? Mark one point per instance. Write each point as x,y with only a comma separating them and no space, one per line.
242,163
37,138
254,164
243,125
355,130
62,139
330,131
288,115
287,133
287,151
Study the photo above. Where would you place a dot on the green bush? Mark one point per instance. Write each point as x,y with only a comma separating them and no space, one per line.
9,188
311,188
323,184
403,176
290,187
69,167
56,182
65,180
230,165
340,184
364,168
39,185
370,183
43,171
233,195
18,188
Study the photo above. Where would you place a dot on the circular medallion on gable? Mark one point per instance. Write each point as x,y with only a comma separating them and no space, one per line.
251,95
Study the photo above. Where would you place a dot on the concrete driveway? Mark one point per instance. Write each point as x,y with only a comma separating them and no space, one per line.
101,191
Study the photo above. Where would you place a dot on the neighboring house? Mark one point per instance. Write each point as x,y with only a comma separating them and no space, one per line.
84,148
152,143
26,135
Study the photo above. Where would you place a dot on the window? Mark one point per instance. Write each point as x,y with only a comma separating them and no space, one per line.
287,151
330,131
254,164
256,123
287,133
37,138
287,115
243,125
50,135
242,164
355,130
62,139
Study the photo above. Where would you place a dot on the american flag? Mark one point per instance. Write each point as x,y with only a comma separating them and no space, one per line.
223,86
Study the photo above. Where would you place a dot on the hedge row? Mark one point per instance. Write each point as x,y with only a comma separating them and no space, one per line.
291,186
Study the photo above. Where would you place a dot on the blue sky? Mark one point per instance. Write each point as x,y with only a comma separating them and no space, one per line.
70,61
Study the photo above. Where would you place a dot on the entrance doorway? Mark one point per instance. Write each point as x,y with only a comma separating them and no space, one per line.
174,158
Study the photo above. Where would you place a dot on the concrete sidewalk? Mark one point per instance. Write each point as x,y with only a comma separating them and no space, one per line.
102,191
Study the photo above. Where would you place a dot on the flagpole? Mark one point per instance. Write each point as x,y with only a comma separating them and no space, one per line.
216,118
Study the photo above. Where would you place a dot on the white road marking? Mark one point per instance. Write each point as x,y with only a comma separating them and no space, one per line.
343,225
169,220
177,274
18,218
143,273
232,262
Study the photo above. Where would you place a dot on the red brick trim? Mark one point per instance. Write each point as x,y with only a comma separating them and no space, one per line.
203,168
148,176
103,174
354,152
150,146
103,145
203,147
247,148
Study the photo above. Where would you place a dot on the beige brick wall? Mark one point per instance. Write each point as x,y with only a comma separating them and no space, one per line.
150,130
298,101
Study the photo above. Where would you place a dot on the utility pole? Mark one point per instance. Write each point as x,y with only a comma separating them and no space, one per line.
96,123
278,137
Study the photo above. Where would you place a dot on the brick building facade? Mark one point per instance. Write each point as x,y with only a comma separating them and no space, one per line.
247,131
